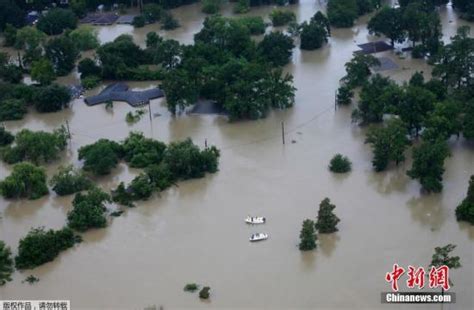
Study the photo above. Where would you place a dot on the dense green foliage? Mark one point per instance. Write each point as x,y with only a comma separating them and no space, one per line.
88,67
35,146
428,162
211,6
85,38
68,181
168,21
6,137
327,220
191,287
276,48
466,7
242,6
11,13
40,246
101,156
164,165
55,21
12,109
62,52
204,292
307,236
340,164
52,98
88,210
374,97
186,161
344,95
281,17
388,143
139,21
465,210
388,22
315,33
42,71
343,13
142,152
358,69
225,65
6,263
442,257
25,181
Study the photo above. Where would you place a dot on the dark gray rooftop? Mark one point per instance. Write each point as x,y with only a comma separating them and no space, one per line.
120,92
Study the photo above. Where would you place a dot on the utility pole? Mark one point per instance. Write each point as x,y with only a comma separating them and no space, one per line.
68,130
283,132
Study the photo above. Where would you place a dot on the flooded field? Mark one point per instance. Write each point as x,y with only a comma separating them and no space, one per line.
195,232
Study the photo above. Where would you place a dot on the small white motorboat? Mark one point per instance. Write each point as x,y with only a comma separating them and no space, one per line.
255,220
258,237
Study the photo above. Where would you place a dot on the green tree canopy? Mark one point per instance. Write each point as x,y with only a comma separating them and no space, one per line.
307,236
25,181
428,165
52,98
35,146
68,181
327,220
55,21
465,210
63,53
276,48
388,143
388,22
6,263
42,71
88,210
40,246
85,38
141,152
101,156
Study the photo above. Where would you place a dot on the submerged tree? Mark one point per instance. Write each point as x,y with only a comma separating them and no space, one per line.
101,156
340,164
307,236
35,146
388,22
88,210
25,181
327,220
442,257
6,263
69,181
40,246
388,143
358,69
428,165
465,211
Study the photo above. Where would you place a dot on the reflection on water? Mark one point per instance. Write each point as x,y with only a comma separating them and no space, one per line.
195,232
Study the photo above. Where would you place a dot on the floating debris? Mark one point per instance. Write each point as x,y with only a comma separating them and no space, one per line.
31,279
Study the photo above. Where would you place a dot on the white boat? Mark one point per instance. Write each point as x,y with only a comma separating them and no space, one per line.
255,220
258,237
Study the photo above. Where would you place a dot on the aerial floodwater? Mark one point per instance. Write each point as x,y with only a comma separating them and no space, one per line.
195,231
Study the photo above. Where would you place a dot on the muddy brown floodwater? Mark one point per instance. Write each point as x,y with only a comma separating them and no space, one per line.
195,232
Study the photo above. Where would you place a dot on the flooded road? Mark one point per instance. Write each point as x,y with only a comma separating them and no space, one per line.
195,232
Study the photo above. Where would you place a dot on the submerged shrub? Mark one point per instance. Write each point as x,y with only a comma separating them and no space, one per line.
69,181
88,210
204,292
6,263
191,287
25,181
340,164
41,246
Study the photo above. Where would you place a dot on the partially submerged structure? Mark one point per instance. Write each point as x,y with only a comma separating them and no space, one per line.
121,92
374,47
100,19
